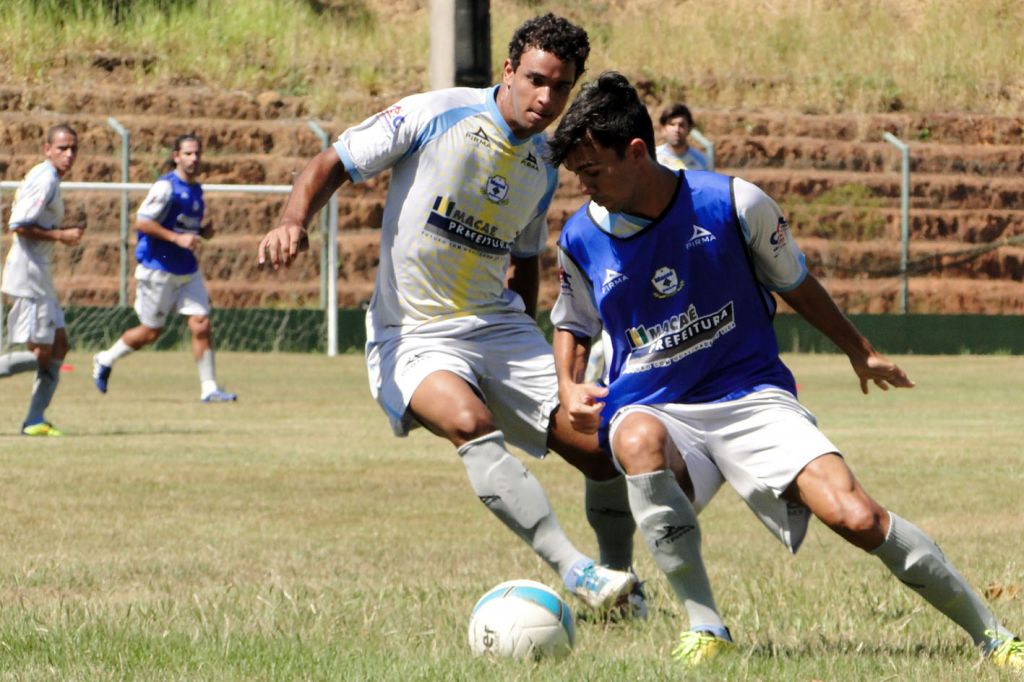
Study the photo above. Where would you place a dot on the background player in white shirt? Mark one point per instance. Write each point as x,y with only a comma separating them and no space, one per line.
695,366
676,152
450,347
36,318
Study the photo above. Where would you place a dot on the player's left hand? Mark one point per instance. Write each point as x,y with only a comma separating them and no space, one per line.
881,370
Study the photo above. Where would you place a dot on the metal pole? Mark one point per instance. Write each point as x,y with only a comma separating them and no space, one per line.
122,291
709,146
3,313
329,256
904,216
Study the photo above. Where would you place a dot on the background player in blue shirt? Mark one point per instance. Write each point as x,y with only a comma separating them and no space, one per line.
678,269
170,226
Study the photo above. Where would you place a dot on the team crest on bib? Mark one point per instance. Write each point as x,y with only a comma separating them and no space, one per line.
666,283
497,189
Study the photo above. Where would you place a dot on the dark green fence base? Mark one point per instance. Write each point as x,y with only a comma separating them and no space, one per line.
914,334
301,331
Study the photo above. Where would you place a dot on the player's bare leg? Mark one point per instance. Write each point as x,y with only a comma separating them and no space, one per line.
830,490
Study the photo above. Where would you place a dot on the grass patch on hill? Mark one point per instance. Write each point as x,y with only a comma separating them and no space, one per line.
348,56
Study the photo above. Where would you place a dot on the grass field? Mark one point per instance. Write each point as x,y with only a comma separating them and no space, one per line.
289,536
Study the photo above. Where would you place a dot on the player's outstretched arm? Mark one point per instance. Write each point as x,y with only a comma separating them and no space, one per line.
814,304
316,183
582,402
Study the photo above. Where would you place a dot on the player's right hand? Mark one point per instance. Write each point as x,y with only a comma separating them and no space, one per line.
187,240
71,235
282,245
583,404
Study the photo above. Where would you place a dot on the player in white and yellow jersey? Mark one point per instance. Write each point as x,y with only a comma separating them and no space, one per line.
676,153
36,318
450,346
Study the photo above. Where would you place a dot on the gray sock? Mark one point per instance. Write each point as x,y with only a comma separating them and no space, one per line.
608,512
17,362
516,497
918,563
669,526
42,390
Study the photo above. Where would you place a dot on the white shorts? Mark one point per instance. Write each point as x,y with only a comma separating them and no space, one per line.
509,365
34,320
160,293
759,443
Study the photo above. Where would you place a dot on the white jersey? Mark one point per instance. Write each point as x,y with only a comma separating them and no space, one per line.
690,160
37,202
465,193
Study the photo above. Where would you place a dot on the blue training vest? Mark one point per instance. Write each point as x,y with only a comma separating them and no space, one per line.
184,214
688,320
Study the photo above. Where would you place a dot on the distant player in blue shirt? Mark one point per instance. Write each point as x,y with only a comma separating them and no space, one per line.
678,269
170,226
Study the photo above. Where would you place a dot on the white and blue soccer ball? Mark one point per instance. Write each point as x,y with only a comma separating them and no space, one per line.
521,619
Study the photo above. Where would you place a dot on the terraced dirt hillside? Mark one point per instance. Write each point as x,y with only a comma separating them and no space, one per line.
834,175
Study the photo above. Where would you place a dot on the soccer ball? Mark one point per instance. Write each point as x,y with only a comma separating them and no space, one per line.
521,619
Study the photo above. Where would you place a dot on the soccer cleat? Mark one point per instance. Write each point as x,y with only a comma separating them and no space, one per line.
219,396
634,606
696,647
602,587
41,429
100,374
1006,650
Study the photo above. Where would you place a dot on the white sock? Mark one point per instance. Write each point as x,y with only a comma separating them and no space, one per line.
669,525
207,373
114,353
919,564
607,504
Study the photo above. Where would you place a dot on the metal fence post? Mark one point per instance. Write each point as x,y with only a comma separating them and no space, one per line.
709,146
122,291
904,215
329,256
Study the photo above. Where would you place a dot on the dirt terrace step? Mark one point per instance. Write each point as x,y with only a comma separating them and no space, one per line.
180,103
927,190
24,134
745,151
952,128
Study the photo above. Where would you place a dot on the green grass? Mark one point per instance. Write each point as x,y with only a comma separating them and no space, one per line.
347,56
290,536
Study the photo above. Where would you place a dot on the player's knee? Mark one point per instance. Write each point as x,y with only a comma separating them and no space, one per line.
200,325
466,424
639,444
150,334
858,519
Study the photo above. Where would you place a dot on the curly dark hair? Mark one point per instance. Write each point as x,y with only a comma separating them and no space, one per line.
674,110
553,34
607,110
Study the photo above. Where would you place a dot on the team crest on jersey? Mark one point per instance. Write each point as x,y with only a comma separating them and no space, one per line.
666,282
480,138
530,161
700,237
497,189
612,278
778,238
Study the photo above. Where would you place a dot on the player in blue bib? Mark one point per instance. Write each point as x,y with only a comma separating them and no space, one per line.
170,224
678,269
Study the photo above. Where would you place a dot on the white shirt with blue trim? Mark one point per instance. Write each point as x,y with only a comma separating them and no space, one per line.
465,194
